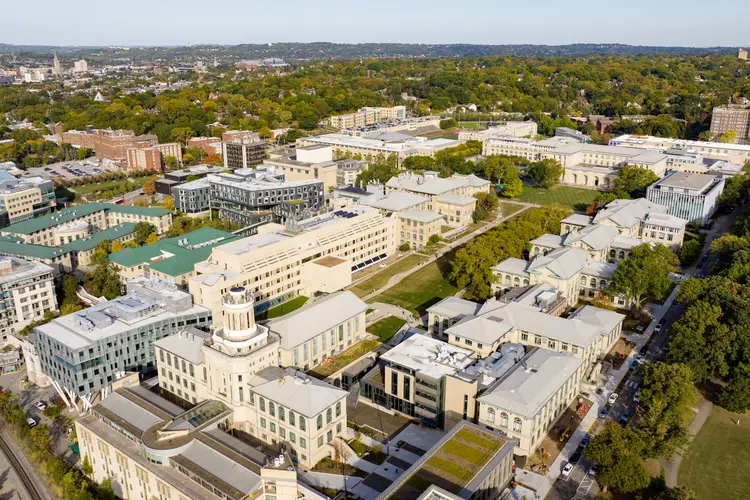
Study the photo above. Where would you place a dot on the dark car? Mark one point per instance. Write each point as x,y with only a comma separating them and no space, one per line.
643,350
585,442
625,418
575,457
603,412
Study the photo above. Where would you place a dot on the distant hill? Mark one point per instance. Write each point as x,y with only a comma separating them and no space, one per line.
325,50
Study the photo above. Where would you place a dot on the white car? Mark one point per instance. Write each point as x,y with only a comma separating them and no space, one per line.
612,398
41,405
31,422
658,327
567,470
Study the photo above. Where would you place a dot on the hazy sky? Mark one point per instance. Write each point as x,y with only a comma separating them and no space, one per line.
556,22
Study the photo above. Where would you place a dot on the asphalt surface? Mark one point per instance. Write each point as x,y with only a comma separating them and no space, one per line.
88,168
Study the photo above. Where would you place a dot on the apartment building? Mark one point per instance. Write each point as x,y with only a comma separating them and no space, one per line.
693,197
526,401
367,116
23,199
243,152
152,157
490,480
281,262
86,352
27,291
734,117
526,129
311,335
150,448
170,259
82,221
314,162
347,171
108,144
209,145
238,366
191,197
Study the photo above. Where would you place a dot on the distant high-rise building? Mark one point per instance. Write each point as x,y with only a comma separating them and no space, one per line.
80,66
56,68
742,54
732,117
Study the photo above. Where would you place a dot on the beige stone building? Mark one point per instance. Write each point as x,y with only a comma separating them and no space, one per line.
314,162
734,117
239,367
28,291
367,116
317,254
506,129
23,199
734,153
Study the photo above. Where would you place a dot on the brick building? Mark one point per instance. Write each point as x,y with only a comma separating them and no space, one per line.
151,158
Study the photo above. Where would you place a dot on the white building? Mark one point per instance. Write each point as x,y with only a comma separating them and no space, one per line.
80,66
693,197
28,292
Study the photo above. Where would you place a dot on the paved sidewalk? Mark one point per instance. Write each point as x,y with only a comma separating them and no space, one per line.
672,469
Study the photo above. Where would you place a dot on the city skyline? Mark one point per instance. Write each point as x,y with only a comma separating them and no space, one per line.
544,23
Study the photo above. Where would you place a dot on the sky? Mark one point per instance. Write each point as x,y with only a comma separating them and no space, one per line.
554,22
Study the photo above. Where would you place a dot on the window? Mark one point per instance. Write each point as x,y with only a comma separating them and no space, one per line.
262,404
161,355
329,436
291,417
338,409
263,422
271,409
503,420
302,442
329,416
517,424
525,336
394,383
320,441
282,417
273,427
292,437
320,422
242,395
302,423
282,432
491,415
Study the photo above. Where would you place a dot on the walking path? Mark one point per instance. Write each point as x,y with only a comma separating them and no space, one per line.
672,469
382,310
397,278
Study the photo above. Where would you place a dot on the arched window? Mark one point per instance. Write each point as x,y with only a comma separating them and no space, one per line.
593,282
503,420
271,409
329,415
596,181
320,422
302,423
622,255
491,415
517,424
262,404
525,282
338,409
612,253
585,180
567,229
507,279
291,418
575,179
602,284
583,280
516,281
536,250
282,415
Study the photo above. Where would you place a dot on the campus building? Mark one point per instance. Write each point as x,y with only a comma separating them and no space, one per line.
27,290
734,117
307,163
81,221
239,367
152,157
170,259
87,351
243,152
151,448
693,197
282,262
23,199
109,144
367,116
734,153
504,129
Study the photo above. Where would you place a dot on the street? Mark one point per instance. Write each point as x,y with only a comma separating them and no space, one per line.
579,484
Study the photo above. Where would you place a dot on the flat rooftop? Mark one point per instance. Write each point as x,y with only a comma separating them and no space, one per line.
429,357
685,180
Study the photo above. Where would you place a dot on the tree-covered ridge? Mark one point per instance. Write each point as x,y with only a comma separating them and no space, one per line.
683,87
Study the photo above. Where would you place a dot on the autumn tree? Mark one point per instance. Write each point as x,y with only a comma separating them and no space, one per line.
148,187
645,273
168,203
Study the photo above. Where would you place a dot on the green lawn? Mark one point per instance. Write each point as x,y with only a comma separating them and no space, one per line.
422,288
380,279
473,125
285,308
386,327
575,197
509,209
718,461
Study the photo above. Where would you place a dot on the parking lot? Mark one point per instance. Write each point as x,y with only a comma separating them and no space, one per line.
70,169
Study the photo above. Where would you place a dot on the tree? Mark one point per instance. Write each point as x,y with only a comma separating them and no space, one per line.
689,252
212,160
678,493
101,252
449,123
644,273
666,398
191,178
86,467
433,239
729,136
142,231
503,169
170,161
104,281
404,247
152,238
546,173
168,203
182,135
149,187
616,452
735,396
633,180
116,246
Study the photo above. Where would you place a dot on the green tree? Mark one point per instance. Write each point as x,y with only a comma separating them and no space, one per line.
434,238
104,281
678,493
404,247
633,180
142,232
182,135
448,123
729,136
644,273
546,173
170,161
690,251
616,452
101,252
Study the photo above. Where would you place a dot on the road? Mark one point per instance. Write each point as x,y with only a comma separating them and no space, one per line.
581,485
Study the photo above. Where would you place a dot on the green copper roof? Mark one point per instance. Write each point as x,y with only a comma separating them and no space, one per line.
26,250
109,234
76,212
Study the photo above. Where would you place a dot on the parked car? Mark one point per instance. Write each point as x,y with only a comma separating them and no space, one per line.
592,470
575,457
636,398
658,328
585,441
625,418
643,350
41,405
567,470
31,422
604,411
639,358
612,398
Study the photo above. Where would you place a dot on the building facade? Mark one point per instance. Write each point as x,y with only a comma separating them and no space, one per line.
27,292
243,152
25,199
693,197
732,117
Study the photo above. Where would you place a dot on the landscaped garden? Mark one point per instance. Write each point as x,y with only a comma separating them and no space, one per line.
282,309
386,328
343,359
575,197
